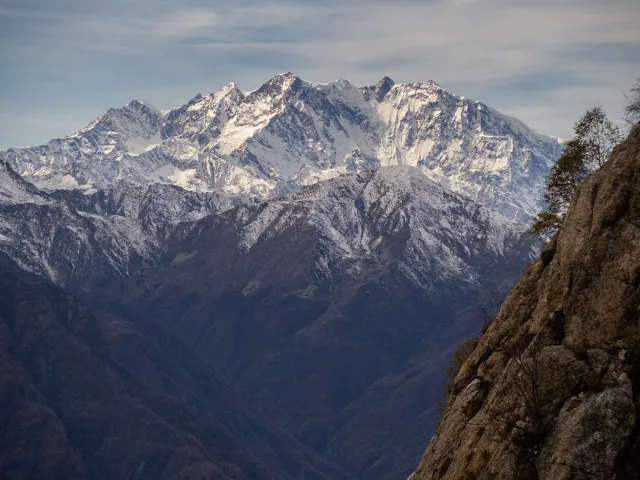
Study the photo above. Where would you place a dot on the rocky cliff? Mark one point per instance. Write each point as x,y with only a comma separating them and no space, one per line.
552,390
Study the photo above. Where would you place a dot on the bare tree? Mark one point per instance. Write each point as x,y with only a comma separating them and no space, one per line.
518,416
489,309
632,108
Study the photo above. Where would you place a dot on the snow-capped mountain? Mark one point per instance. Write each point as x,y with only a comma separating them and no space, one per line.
68,236
290,133
59,234
318,306
320,245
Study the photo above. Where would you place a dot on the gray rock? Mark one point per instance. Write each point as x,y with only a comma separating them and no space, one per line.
574,317
589,436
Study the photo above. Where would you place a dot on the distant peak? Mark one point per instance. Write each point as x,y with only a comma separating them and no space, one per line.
286,75
284,79
428,84
136,103
383,87
281,83
228,88
385,81
141,105
425,84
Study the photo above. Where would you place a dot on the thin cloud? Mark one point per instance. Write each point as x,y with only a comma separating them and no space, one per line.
525,58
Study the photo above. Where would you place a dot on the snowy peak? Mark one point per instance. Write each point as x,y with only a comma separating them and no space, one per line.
379,90
383,87
290,133
13,188
137,119
279,85
92,157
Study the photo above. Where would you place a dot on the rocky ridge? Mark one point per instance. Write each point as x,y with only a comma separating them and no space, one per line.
290,133
552,391
64,236
70,237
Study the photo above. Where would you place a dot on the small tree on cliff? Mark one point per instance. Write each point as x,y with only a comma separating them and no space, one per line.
563,179
595,137
632,108
599,136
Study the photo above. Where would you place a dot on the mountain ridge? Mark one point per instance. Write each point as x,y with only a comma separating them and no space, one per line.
289,133
247,286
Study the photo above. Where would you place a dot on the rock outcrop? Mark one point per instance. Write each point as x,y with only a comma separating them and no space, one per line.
552,390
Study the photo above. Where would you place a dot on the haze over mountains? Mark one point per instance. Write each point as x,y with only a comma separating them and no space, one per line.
320,247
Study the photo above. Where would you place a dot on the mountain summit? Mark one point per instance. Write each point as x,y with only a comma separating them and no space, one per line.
290,133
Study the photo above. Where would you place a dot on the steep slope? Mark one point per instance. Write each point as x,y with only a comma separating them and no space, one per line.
290,133
103,399
94,152
318,307
553,389
68,236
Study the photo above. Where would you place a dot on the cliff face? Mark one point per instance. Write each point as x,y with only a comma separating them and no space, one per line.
552,391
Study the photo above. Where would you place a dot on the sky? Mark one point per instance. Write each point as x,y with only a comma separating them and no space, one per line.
65,62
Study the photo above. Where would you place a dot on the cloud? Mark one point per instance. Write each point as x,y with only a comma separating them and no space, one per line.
182,22
523,57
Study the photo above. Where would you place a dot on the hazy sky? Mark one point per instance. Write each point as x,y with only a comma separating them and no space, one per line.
64,62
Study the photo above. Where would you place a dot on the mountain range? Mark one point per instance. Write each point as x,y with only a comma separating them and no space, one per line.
291,133
320,247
